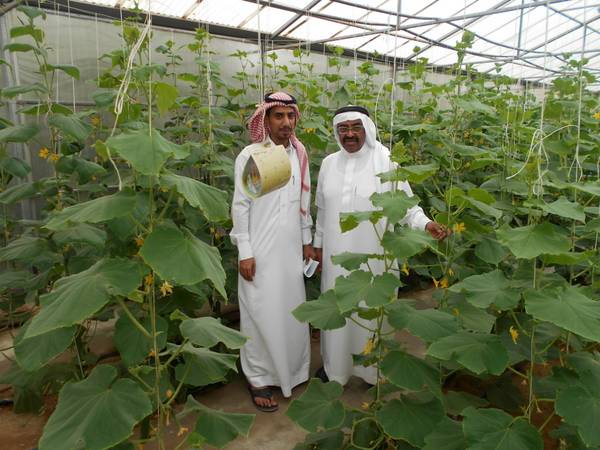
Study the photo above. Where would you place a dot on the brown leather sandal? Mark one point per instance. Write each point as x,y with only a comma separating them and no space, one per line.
264,392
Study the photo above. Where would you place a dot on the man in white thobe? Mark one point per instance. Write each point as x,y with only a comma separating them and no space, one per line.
273,236
347,179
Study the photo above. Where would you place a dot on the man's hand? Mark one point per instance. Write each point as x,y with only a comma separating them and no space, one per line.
248,268
319,257
308,252
437,231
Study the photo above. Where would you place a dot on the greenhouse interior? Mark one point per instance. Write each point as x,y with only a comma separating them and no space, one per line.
310,224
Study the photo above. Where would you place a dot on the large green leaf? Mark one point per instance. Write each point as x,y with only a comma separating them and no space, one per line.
319,407
146,151
65,305
96,413
218,428
448,435
394,204
477,352
71,126
323,313
133,345
13,91
27,30
23,47
212,201
18,192
565,208
203,367
428,324
485,289
35,352
350,261
81,233
406,242
14,279
578,400
493,429
409,372
534,240
101,209
72,71
324,440
352,289
27,249
579,405
15,166
19,133
166,94
383,290
412,174
208,331
490,251
183,258
566,307
410,420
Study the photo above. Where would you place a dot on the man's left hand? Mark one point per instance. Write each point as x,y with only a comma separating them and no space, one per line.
437,231
308,251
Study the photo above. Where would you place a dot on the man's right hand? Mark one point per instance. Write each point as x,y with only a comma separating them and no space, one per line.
248,268
319,257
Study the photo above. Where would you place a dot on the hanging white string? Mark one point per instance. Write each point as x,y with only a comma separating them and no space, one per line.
537,141
124,86
70,27
97,51
394,74
576,163
57,72
261,81
209,89
149,34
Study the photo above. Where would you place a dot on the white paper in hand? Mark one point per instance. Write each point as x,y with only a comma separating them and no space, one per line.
310,267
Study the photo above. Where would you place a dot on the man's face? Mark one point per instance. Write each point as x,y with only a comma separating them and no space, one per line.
352,135
281,121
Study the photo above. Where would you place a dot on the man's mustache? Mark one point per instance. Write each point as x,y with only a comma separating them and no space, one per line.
350,140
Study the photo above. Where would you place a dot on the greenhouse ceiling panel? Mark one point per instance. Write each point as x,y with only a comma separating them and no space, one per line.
524,38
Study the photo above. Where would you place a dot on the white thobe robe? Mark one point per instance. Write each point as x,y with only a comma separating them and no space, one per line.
346,182
272,230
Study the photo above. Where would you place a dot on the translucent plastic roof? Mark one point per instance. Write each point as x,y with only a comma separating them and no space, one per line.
528,39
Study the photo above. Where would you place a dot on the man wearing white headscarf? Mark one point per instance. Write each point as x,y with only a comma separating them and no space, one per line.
347,179
273,236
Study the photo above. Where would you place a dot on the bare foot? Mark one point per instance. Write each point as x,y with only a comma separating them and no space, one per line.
263,398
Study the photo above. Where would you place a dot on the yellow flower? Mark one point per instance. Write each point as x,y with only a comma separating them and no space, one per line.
94,178
166,288
369,346
404,269
309,130
459,227
169,393
43,153
365,405
189,124
456,311
149,280
450,272
444,283
596,115
139,241
54,157
436,283
514,334
95,121
182,431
